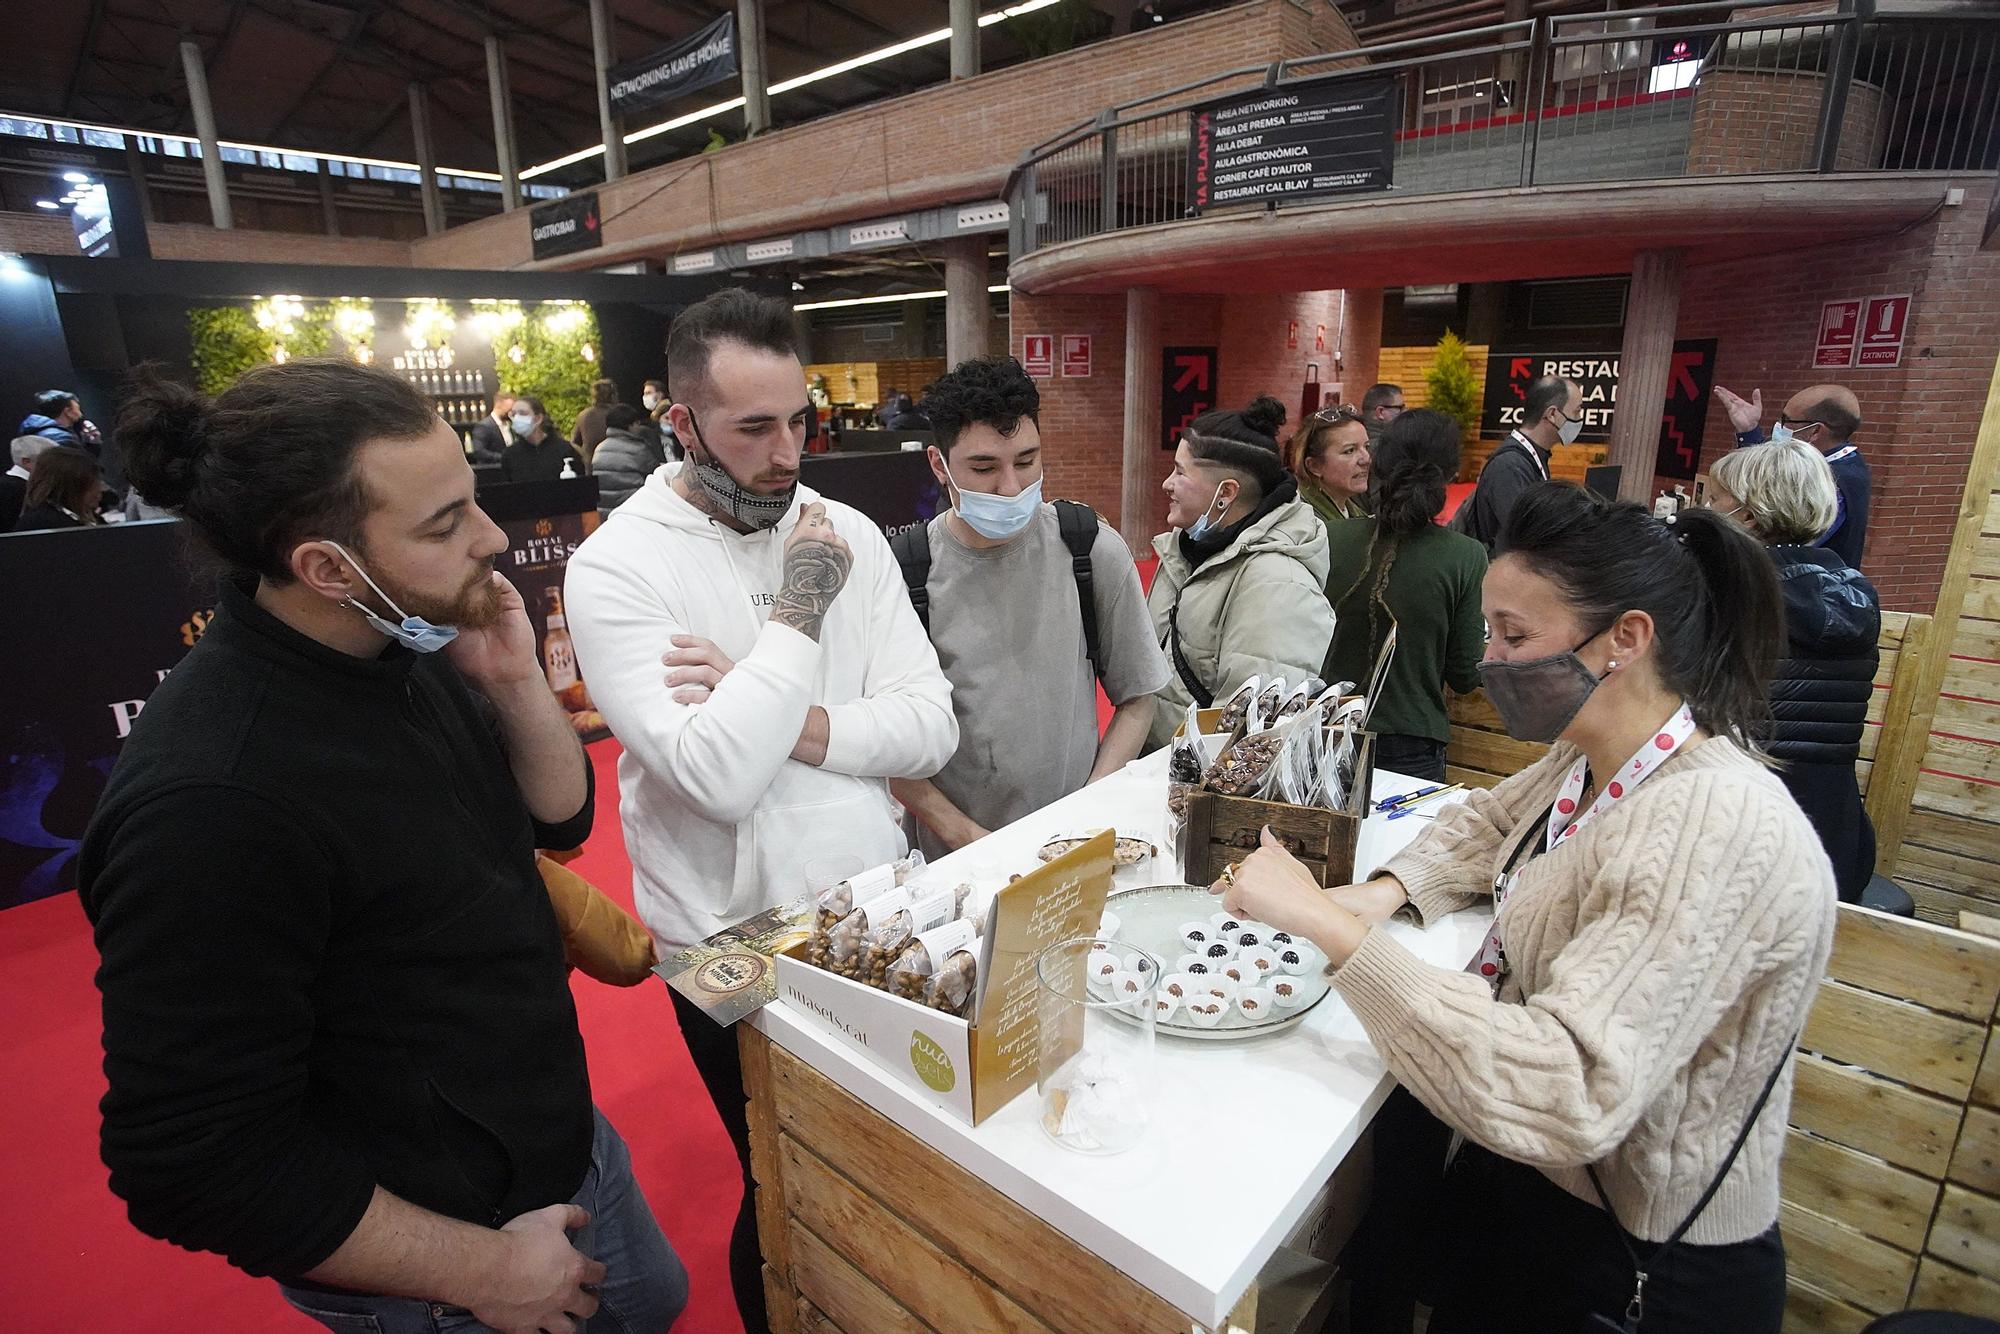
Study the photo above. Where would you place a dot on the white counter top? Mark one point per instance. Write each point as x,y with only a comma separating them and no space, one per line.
1288,1107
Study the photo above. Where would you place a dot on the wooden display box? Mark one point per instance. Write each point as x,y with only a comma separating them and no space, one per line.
1221,831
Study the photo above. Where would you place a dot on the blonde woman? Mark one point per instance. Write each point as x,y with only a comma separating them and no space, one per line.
1785,495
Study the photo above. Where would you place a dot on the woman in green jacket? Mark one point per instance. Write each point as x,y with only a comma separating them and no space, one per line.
1400,568
1330,458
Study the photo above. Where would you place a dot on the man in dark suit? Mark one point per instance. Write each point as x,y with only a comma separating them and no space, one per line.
14,482
491,437
1552,415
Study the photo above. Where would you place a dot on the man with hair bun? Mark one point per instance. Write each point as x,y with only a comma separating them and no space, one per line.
1241,586
338,1030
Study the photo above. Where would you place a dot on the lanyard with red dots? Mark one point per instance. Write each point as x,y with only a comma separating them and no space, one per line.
1563,819
1563,822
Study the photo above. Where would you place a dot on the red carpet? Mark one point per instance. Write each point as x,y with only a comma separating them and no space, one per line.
73,1265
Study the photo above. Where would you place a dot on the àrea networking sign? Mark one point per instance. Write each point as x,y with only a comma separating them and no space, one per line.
1296,141
565,226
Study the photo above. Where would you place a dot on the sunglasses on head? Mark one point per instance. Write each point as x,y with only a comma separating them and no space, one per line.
1339,412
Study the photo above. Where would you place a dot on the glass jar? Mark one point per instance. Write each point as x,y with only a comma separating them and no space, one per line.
1096,1003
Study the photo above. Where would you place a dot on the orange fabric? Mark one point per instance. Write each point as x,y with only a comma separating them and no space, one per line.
599,937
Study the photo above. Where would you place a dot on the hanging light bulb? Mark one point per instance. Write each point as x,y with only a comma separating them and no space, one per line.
278,354
588,352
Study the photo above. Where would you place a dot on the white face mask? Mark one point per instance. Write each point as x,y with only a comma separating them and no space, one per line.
1571,428
651,401
523,423
414,632
996,517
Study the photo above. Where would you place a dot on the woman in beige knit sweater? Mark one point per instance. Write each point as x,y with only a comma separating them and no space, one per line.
1665,916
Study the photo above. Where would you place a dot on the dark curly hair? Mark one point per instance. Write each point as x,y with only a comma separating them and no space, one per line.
1414,461
986,391
1265,415
269,463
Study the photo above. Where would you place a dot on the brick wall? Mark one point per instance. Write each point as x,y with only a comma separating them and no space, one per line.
47,234
182,240
951,143
1083,420
1920,418
1766,120
37,234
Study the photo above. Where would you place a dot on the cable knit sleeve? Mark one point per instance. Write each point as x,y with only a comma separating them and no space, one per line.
1634,945
1451,865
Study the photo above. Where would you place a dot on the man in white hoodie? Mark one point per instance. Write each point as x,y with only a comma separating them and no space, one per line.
753,648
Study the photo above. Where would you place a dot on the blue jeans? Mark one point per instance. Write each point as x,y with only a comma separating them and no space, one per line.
644,1288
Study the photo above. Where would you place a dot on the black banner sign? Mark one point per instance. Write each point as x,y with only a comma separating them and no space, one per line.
76,680
565,226
1187,389
1508,375
1686,408
1300,141
707,57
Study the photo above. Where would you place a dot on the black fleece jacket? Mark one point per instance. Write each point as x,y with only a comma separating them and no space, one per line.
327,960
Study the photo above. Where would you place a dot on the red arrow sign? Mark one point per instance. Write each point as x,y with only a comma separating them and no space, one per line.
1682,383
1519,370
1193,371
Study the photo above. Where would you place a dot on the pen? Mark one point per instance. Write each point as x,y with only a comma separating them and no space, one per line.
1435,792
1391,803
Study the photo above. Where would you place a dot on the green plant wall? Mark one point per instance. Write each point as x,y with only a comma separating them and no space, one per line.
552,366
227,342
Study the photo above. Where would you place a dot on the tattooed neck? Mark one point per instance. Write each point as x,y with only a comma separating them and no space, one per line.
814,574
694,495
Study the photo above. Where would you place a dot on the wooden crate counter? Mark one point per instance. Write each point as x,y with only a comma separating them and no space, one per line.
879,1210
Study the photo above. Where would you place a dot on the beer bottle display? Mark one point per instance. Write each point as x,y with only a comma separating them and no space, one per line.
559,656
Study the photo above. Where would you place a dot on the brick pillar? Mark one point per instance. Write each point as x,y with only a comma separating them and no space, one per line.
1142,416
1360,344
1644,364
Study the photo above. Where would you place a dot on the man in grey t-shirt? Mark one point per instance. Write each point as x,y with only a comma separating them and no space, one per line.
1007,625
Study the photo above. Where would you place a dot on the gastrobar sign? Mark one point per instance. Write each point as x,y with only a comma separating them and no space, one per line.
693,63
1298,141
565,226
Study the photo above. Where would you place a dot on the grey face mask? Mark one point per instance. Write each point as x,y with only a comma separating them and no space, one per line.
731,497
1537,699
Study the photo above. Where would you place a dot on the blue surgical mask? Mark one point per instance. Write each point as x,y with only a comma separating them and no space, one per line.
415,633
522,424
1781,433
996,518
1205,526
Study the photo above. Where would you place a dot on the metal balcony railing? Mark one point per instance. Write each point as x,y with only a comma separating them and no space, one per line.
1736,87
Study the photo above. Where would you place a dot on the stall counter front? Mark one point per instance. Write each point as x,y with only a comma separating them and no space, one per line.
880,1210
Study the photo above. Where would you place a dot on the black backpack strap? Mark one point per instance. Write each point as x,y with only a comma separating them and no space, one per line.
1202,696
1078,523
913,552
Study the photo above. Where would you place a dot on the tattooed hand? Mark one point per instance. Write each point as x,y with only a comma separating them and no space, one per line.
816,566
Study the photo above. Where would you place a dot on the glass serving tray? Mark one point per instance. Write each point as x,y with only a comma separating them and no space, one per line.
1151,919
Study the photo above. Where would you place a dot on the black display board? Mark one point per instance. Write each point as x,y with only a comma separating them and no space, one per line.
1299,141
565,226
898,491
